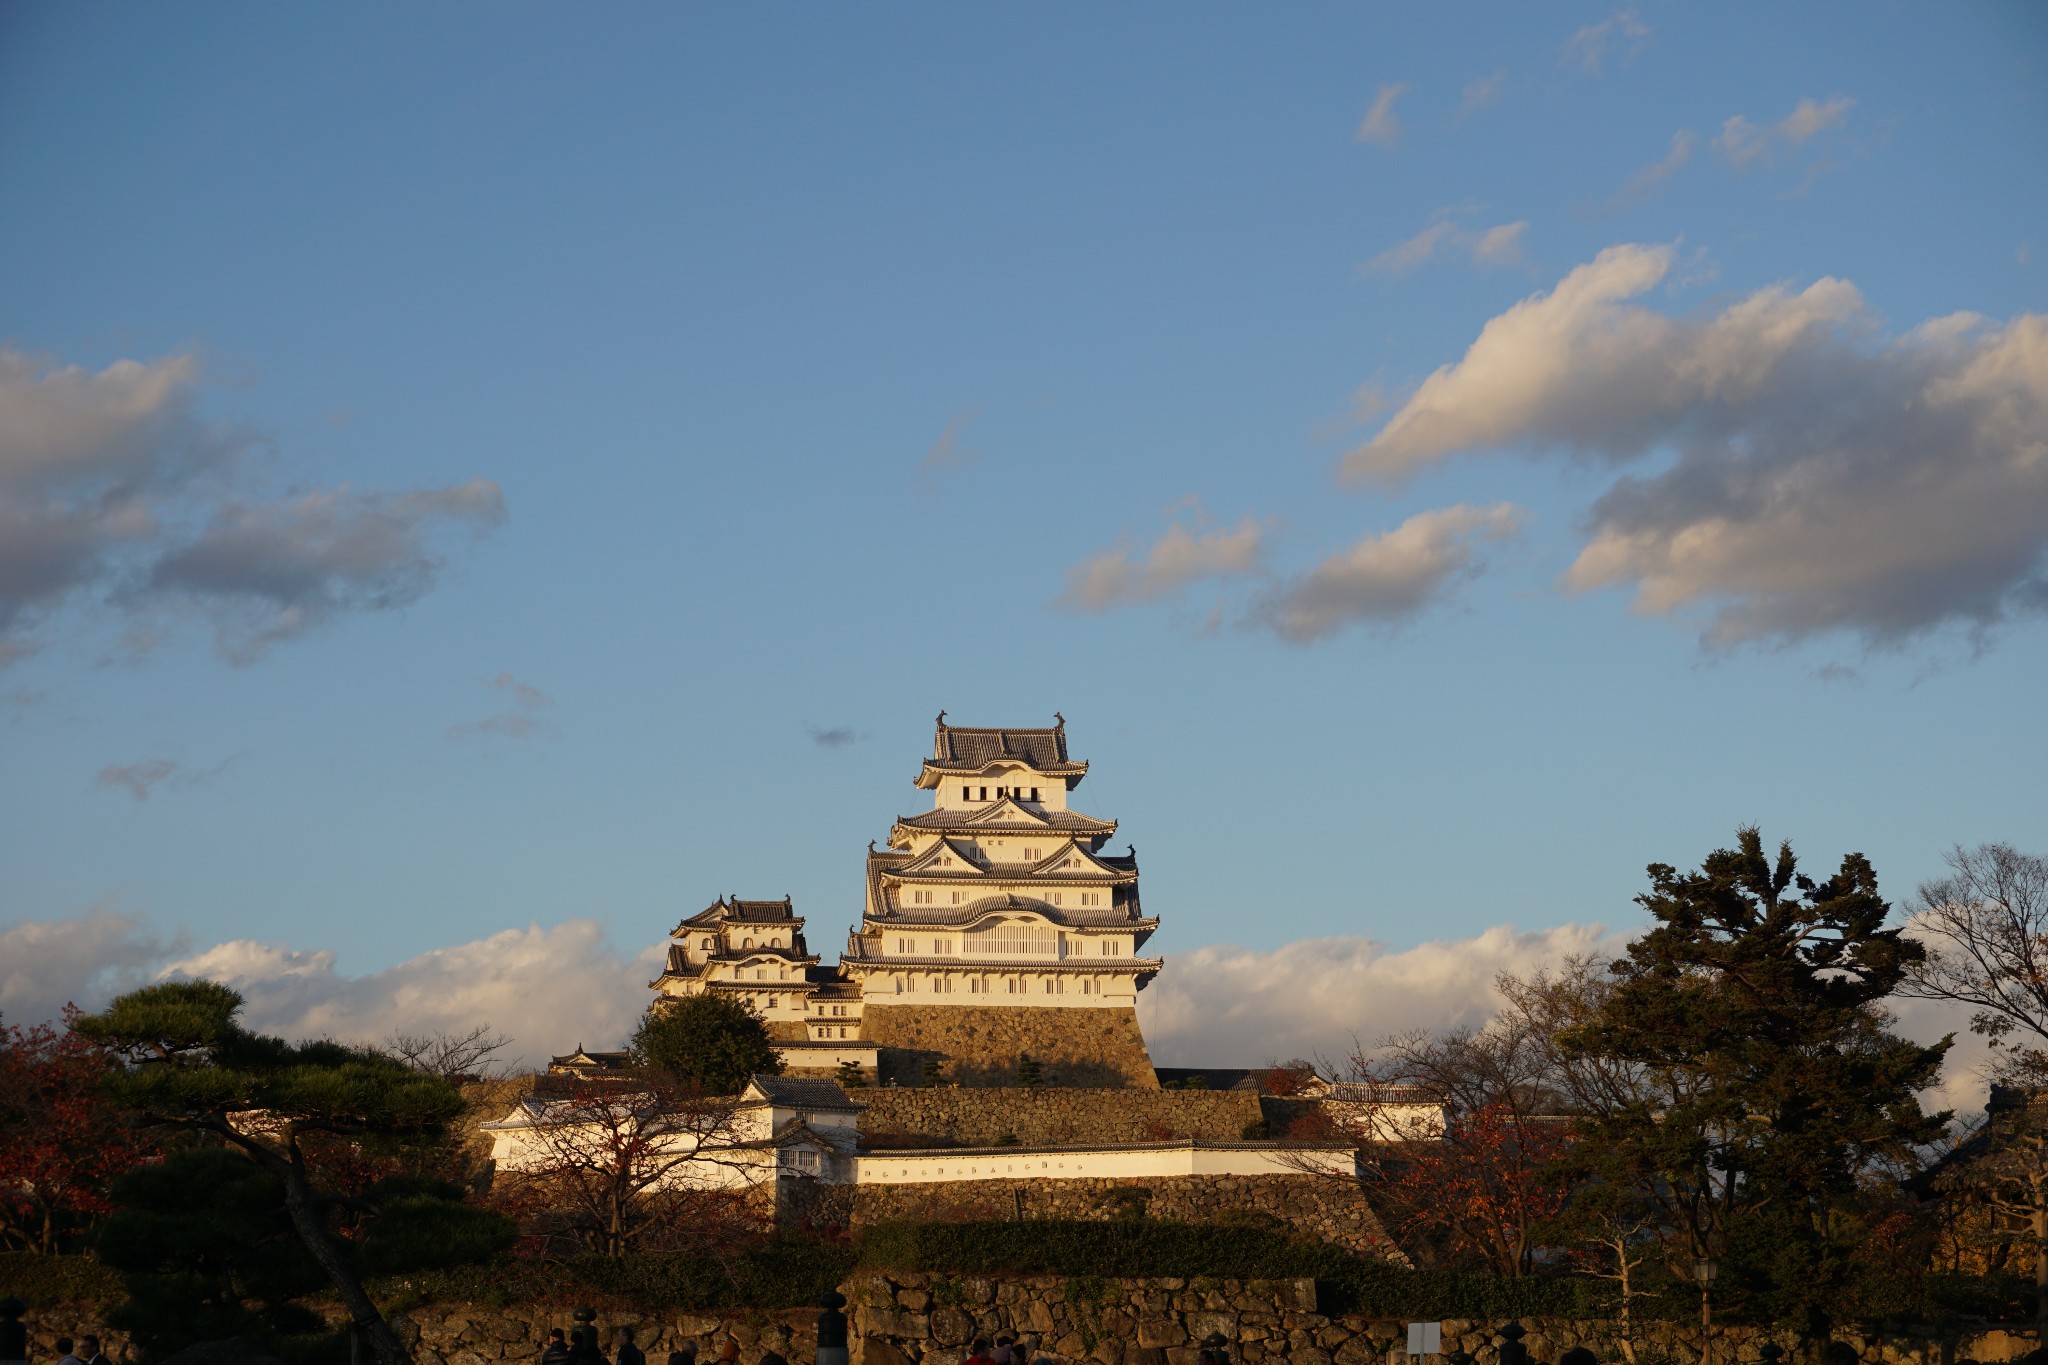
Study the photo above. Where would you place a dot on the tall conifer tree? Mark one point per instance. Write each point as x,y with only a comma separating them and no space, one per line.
1755,1011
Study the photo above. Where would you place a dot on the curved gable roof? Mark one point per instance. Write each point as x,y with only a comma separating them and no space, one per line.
972,749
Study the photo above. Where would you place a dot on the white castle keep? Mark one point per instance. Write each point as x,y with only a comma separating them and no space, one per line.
998,898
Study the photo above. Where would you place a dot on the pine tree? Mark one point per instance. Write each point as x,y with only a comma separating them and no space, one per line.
1030,1072
715,1043
189,1064
1753,1013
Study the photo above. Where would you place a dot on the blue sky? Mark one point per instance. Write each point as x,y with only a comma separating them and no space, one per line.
543,426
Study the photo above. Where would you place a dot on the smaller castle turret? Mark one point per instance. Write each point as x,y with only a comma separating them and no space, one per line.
752,949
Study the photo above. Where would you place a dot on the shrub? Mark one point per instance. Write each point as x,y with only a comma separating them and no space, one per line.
38,1279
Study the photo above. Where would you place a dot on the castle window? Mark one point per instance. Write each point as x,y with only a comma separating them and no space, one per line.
967,793
899,985
956,898
1011,939
942,947
1034,793
1030,855
748,944
984,793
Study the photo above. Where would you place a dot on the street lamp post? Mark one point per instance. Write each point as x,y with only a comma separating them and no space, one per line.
1703,1271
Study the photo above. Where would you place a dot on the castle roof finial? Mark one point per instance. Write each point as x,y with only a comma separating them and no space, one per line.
1059,721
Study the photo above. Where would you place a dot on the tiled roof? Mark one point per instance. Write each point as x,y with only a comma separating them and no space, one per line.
1094,966
1216,1077
972,822
1073,916
752,912
796,1092
960,748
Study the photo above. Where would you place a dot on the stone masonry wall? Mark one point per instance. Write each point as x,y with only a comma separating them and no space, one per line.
980,1044
914,1318
1055,1117
1330,1210
923,1319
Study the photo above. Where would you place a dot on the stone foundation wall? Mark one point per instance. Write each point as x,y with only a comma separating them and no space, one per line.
920,1319
980,1044
1331,1211
910,1318
1055,1117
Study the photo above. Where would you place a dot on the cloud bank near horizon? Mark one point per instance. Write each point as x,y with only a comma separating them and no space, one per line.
552,988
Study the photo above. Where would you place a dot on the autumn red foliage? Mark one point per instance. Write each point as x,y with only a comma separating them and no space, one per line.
61,1142
1482,1193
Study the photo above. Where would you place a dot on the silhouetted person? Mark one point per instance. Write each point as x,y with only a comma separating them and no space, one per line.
556,1351
13,1332
684,1354
89,1352
64,1356
624,1352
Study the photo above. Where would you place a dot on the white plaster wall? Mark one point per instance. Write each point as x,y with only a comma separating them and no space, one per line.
902,1168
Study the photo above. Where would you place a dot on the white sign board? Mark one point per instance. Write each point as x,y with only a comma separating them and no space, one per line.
1425,1338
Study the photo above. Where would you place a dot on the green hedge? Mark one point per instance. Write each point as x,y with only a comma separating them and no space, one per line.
37,1279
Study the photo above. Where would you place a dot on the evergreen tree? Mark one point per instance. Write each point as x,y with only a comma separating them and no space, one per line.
189,1064
1752,1016
715,1043
1030,1072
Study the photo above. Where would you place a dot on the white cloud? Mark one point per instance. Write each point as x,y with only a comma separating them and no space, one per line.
549,988
1227,1006
1588,48
553,988
524,716
1742,142
1501,244
1482,92
1230,1006
1386,579
1825,477
140,779
108,481
1497,245
1657,172
47,964
1118,577
950,452
1379,124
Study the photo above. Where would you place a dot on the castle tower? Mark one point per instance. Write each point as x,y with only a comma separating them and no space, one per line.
995,926
752,949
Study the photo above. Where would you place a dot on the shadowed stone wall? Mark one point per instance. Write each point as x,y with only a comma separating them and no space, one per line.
915,1318
980,1044
1056,1117
1331,1210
